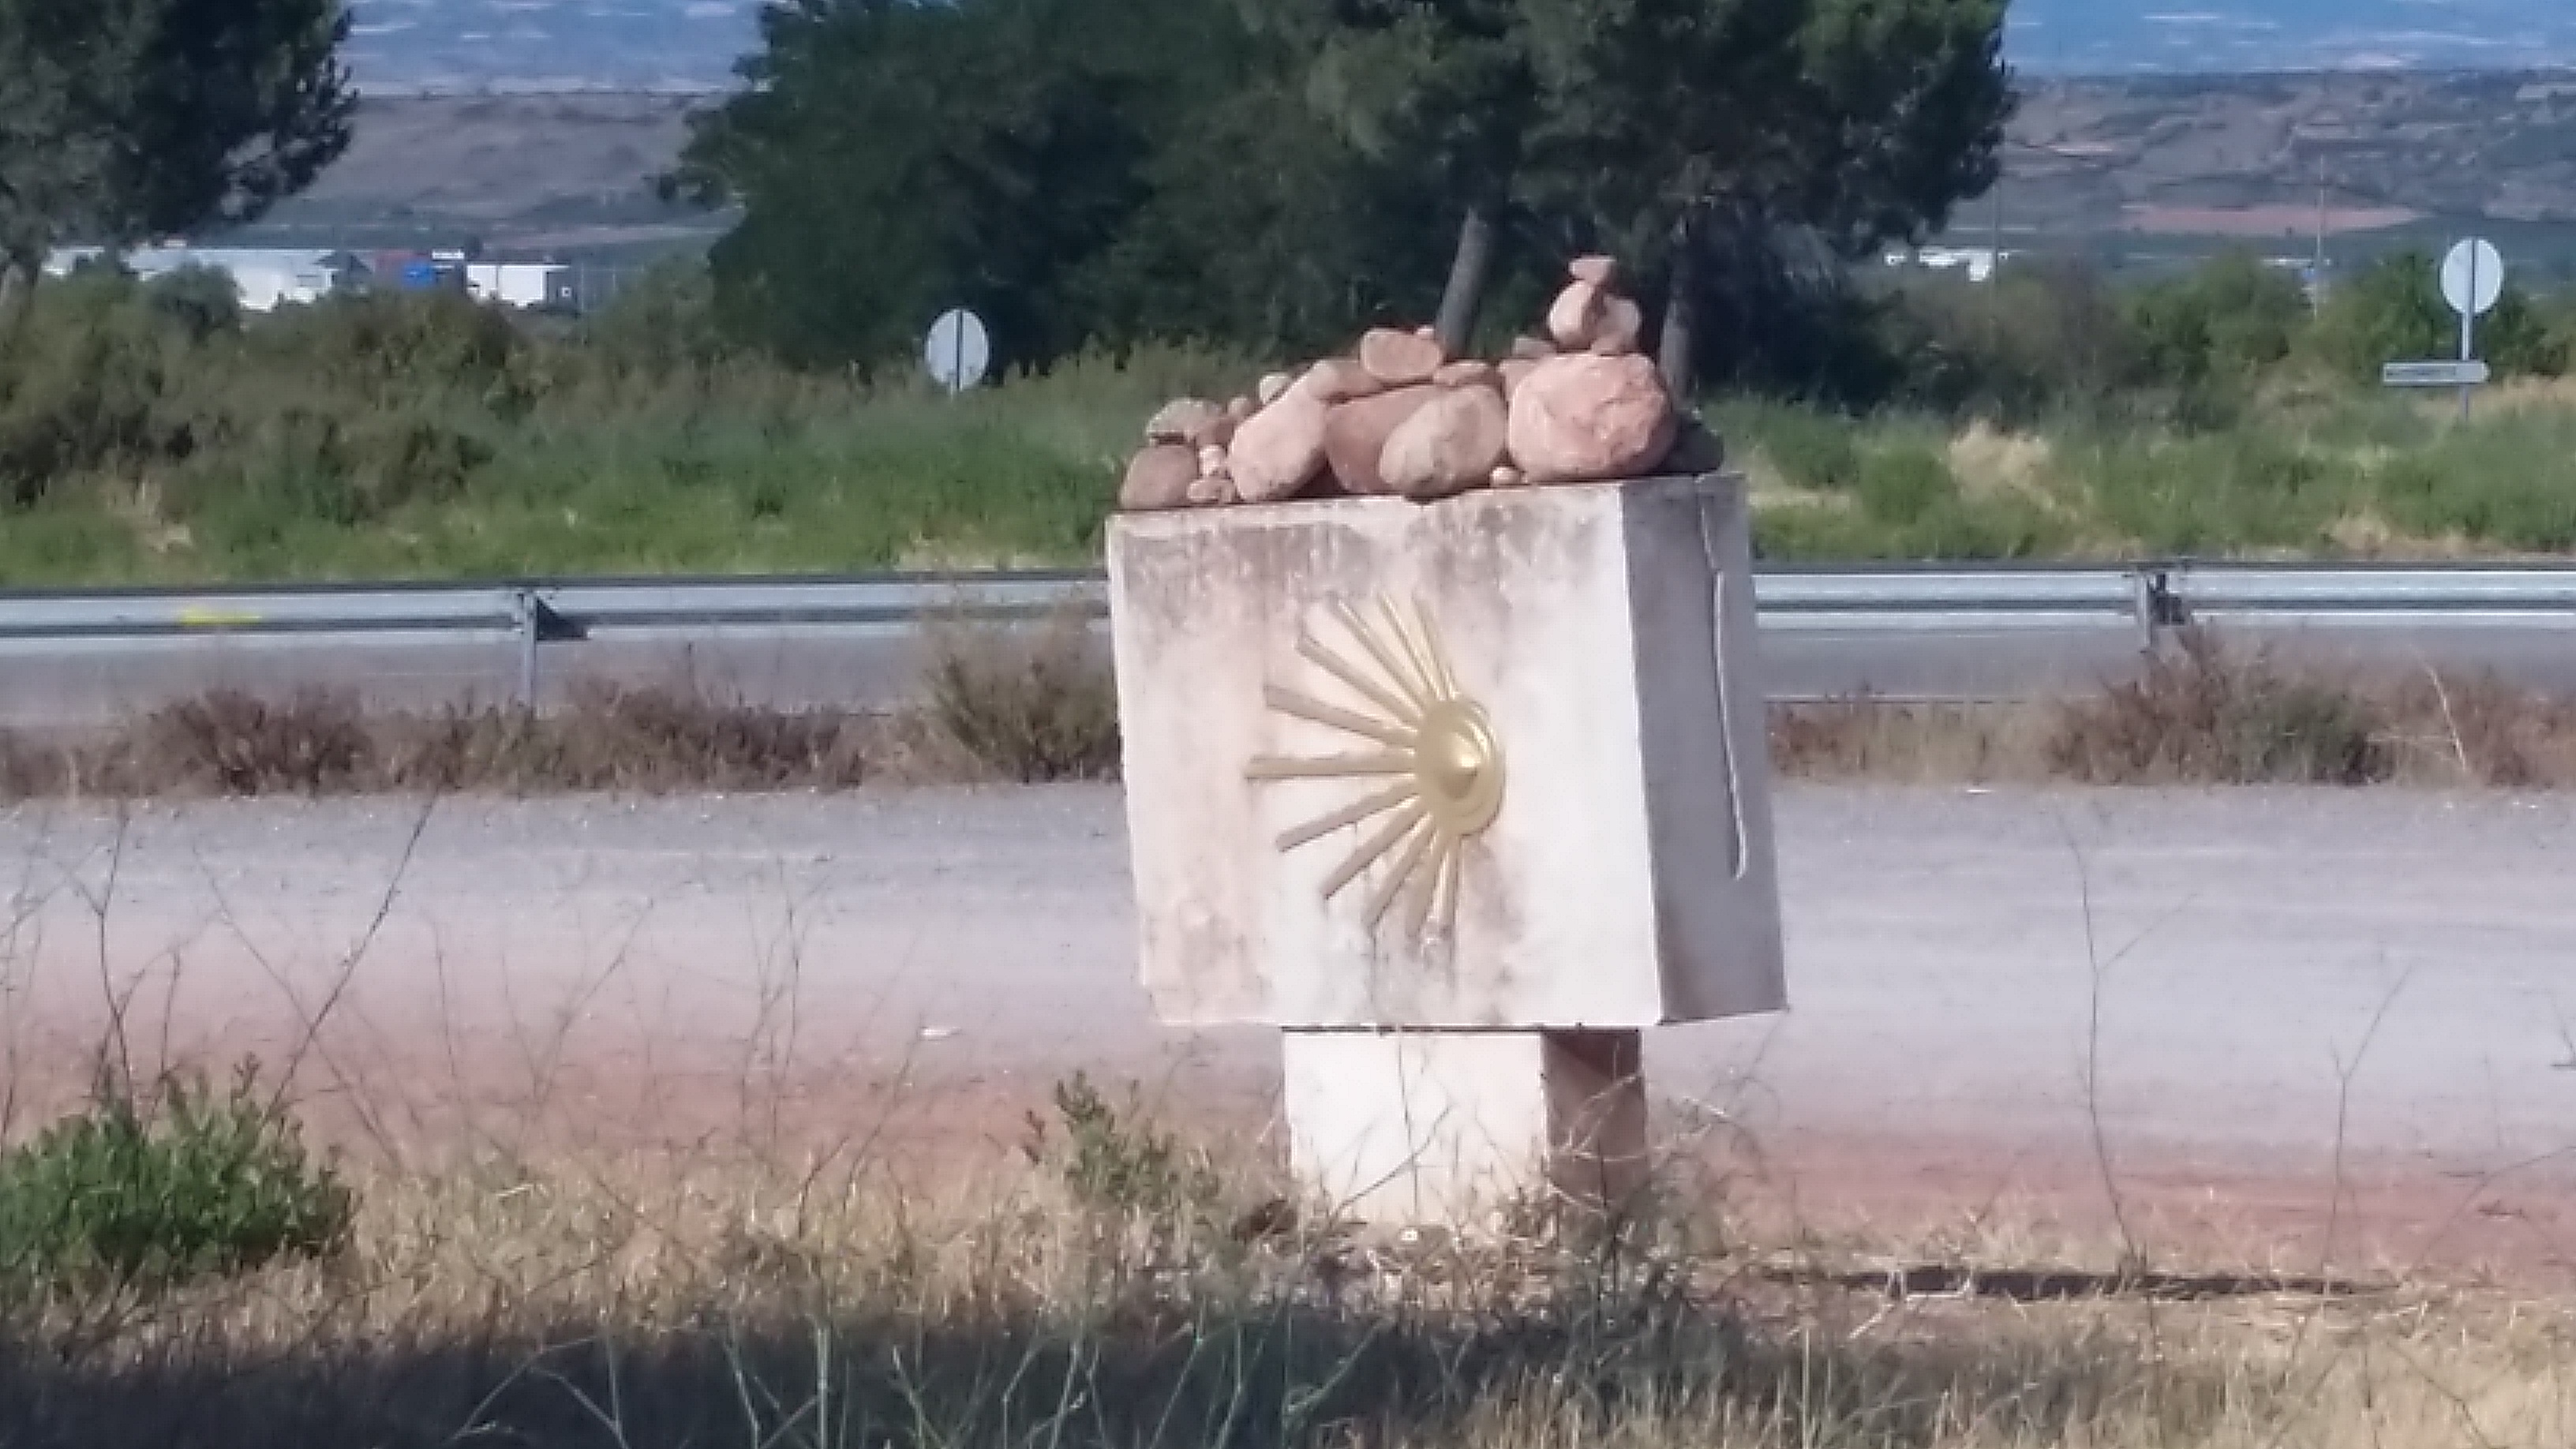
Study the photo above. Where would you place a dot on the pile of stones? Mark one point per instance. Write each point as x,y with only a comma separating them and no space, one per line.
1401,417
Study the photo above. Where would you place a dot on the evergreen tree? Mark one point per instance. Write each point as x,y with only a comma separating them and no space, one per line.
1688,133
1439,90
1078,171
125,119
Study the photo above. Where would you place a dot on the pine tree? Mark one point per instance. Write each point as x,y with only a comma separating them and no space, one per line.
126,119
1441,91
1692,131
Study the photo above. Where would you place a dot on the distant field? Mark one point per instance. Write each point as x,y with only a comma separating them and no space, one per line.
2167,159
560,173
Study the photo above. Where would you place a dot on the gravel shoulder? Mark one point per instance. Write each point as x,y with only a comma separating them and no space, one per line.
1993,991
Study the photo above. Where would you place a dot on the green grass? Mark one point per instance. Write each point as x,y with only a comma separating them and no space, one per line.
821,479
403,438
2327,475
406,437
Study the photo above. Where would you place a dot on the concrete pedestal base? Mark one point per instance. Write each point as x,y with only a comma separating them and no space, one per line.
1433,1128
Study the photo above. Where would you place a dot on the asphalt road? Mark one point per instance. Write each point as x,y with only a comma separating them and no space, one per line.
2246,976
89,683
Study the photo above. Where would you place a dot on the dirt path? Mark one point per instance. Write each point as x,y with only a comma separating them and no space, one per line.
2241,998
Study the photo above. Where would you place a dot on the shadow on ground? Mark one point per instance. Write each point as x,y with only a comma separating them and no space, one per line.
1158,1374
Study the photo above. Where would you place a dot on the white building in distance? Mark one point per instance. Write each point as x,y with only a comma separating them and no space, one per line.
271,277
265,277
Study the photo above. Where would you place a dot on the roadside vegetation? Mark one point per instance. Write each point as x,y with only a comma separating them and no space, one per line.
1036,707
1119,1284
1072,170
152,433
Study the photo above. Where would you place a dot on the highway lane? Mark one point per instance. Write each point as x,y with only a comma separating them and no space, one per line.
2277,974
88,683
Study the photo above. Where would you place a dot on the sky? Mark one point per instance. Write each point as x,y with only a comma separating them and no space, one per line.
691,44
2122,36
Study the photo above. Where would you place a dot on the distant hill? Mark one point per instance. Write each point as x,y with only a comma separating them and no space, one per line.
2142,165
564,175
692,44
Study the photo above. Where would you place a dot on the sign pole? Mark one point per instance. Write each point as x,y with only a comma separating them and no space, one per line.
2469,334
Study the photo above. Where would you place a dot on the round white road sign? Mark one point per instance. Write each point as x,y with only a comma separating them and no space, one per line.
958,350
2473,278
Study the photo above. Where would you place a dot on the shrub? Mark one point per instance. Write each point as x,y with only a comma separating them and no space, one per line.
1903,484
2224,323
231,743
83,386
200,301
398,343
136,1195
1112,1161
1026,705
2394,312
661,324
2203,714
1811,448
2042,336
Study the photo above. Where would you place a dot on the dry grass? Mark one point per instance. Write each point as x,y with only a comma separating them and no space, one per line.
1024,706
1990,462
1019,705
2203,713
1038,705
669,1301
321,744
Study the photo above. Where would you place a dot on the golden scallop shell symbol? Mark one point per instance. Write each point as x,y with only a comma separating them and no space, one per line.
1431,747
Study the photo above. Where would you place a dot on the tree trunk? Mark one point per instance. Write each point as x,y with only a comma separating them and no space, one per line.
19,272
1468,268
16,292
1674,352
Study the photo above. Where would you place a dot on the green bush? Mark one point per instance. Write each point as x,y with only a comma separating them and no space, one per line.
1811,448
200,301
192,1184
2394,312
1902,484
85,384
2224,323
1114,1161
2041,337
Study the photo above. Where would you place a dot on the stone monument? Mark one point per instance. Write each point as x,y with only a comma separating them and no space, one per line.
1462,794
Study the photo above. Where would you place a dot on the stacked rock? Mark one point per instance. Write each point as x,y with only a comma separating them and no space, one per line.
1401,417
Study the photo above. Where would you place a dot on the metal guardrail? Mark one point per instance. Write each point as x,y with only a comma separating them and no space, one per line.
2146,598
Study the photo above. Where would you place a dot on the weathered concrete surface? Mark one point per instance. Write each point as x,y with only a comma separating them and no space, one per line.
649,969
1438,1128
1604,632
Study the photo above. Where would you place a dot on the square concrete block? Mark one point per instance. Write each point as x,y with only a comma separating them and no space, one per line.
1440,1128
1496,762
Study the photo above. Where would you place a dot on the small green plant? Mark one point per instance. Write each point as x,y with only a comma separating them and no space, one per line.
1113,1162
150,1194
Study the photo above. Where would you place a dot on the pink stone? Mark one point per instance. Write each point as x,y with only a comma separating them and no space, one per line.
1158,477
1400,359
1453,443
1575,317
1355,434
1279,450
1588,418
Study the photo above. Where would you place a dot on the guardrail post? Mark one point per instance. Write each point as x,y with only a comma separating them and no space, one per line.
2158,607
530,613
